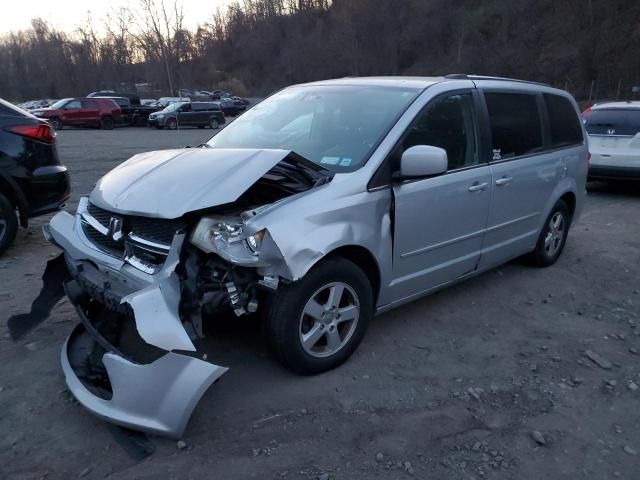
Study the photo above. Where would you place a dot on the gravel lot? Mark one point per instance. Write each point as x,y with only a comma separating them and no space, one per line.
488,379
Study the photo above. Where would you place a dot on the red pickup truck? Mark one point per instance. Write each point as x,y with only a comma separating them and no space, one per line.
82,112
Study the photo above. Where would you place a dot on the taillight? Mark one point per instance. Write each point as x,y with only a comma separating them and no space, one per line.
42,132
586,110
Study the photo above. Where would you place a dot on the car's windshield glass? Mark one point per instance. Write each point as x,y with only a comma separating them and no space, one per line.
61,103
334,126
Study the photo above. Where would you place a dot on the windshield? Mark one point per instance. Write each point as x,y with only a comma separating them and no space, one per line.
335,126
60,103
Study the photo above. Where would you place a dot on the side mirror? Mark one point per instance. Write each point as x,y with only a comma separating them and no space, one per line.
423,161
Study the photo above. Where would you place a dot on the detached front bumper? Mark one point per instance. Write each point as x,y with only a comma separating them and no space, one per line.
158,397
131,361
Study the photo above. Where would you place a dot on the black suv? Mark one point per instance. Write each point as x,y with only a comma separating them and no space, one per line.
32,180
188,114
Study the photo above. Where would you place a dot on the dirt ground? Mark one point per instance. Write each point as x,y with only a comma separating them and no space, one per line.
488,379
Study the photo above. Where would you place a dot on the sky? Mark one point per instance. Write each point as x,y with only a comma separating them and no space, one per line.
67,14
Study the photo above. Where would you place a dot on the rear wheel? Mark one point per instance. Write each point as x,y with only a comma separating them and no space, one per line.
56,123
214,124
552,237
8,224
106,123
316,323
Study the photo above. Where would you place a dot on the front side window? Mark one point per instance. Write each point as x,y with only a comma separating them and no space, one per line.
447,123
564,124
336,126
73,105
515,124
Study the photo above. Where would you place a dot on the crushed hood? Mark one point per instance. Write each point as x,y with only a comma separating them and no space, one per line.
171,183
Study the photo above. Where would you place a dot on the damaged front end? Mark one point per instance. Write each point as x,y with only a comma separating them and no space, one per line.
144,288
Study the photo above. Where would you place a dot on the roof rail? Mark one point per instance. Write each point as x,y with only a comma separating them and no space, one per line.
464,76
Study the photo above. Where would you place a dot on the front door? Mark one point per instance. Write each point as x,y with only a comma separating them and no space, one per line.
440,221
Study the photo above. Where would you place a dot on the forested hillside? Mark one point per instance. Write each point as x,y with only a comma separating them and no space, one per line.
590,47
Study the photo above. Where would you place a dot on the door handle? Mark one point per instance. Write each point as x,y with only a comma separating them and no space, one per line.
503,181
478,187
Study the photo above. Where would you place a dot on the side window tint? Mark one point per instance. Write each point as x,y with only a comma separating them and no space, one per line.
73,104
515,124
447,123
563,121
89,104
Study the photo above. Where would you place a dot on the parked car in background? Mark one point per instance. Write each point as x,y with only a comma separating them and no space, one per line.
188,114
148,101
35,104
230,107
321,206
614,140
101,93
165,101
33,182
133,113
82,112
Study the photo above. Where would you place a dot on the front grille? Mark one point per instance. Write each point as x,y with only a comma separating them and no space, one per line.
136,233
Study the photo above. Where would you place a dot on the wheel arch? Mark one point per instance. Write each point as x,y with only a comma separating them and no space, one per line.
364,259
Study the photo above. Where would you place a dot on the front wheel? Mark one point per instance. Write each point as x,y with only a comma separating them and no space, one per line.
316,323
214,124
8,224
552,237
172,124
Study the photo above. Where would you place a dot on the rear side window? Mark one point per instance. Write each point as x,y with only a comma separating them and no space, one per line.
613,121
564,123
515,124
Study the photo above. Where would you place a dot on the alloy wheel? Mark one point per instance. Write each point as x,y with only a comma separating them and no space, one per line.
329,319
555,234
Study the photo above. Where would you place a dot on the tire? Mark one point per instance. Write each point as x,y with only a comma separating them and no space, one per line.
552,237
288,318
171,124
214,124
8,224
56,123
106,123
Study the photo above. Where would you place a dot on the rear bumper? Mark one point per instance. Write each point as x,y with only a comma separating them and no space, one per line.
47,190
606,172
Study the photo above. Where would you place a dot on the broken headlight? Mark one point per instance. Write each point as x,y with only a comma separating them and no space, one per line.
225,236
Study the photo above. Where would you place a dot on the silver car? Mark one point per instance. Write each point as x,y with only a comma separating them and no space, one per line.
323,205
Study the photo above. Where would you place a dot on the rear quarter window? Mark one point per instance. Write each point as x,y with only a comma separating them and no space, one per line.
514,120
564,123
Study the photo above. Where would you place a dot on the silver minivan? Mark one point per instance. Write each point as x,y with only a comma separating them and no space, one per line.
321,206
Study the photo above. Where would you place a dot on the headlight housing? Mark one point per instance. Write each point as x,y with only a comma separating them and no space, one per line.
226,237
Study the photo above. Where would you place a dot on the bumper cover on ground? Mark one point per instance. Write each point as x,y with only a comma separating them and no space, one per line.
157,398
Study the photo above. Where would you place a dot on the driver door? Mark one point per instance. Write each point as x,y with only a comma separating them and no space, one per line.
72,112
440,222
